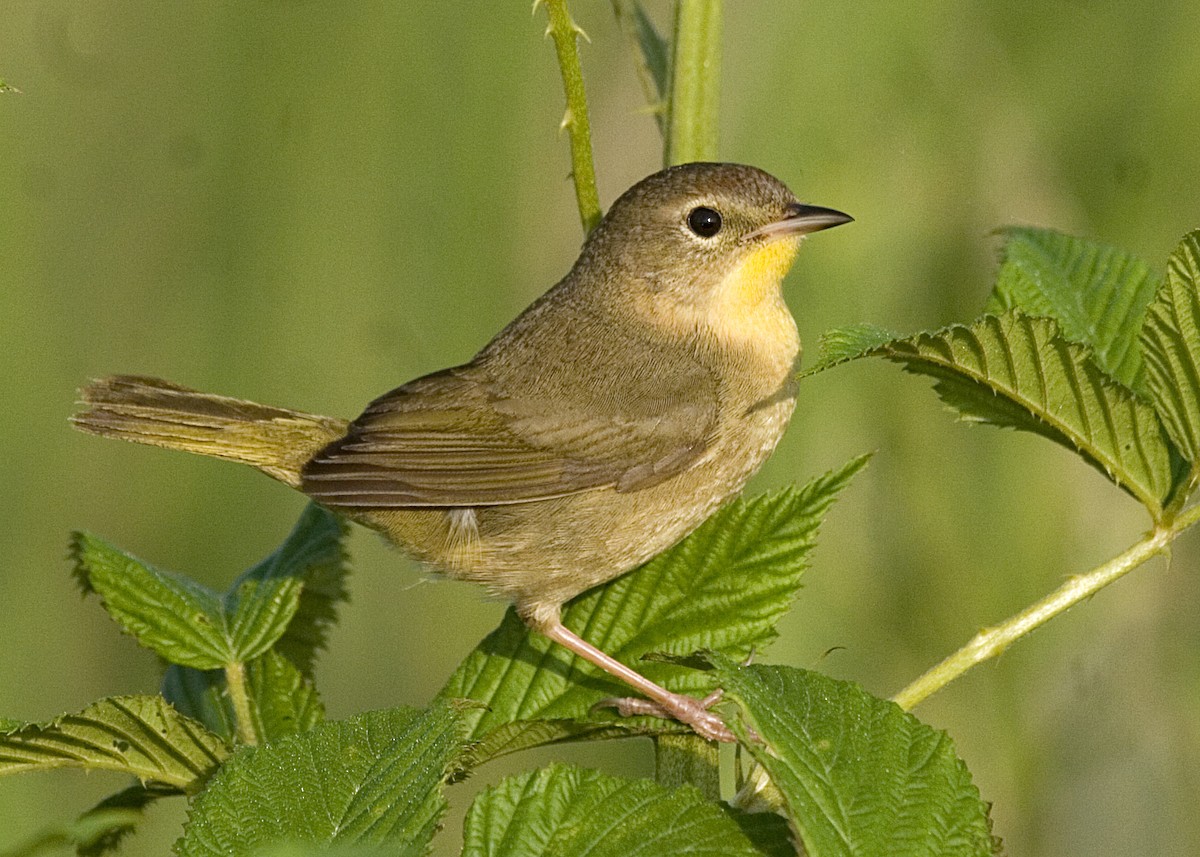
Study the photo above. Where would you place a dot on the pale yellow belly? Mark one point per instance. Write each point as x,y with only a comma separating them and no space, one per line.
543,553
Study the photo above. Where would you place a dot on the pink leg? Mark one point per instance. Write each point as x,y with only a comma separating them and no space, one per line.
685,709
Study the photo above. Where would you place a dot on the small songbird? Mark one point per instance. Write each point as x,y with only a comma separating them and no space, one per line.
607,421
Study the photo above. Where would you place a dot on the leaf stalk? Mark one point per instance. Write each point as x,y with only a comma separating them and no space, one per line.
991,642
239,696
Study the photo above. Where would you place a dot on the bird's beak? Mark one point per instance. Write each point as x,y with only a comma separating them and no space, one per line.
800,219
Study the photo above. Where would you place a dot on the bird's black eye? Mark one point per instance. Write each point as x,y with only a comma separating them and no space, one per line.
704,221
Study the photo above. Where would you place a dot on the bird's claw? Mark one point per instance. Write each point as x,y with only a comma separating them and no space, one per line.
686,709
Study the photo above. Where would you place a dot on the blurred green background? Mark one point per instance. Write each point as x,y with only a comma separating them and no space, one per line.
309,203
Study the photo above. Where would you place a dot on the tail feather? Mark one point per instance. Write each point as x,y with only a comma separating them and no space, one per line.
147,410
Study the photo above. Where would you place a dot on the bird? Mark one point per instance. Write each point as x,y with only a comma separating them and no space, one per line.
602,425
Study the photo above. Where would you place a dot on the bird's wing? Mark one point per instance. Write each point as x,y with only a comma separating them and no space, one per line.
463,437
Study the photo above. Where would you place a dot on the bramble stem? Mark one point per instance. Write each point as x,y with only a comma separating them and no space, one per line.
565,33
991,642
235,682
691,126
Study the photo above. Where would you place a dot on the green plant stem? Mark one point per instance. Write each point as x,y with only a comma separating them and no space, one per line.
691,126
235,681
992,641
565,33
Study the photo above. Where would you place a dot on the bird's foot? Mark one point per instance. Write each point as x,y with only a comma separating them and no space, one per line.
686,709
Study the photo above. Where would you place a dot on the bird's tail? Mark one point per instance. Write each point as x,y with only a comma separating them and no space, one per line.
146,410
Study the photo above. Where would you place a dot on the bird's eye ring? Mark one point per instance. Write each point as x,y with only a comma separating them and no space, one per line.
704,221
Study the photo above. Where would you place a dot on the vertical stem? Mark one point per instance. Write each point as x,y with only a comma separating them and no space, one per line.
565,34
235,682
691,127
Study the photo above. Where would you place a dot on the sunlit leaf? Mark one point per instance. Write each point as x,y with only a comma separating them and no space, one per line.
1017,371
139,735
723,588
1098,294
562,810
193,626
282,699
1171,341
170,614
857,774
289,600
375,779
848,343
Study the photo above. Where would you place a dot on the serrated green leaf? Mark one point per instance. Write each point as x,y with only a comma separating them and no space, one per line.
722,588
174,616
1171,343
857,774
375,779
652,54
847,343
1098,294
574,812
1018,372
283,700
296,849
138,735
288,598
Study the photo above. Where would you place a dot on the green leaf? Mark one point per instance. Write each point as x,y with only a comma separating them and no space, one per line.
297,849
290,598
139,735
283,700
574,812
175,617
857,774
201,695
1171,342
652,54
722,588
848,343
1098,294
193,626
1018,372
374,779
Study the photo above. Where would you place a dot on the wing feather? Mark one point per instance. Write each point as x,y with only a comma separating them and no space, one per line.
460,438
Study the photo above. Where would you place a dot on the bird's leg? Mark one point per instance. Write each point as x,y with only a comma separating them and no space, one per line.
661,703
